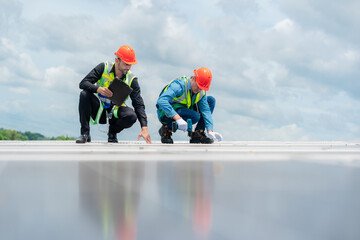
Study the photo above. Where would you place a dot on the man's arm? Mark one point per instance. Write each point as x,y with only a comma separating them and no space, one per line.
175,89
139,107
206,113
88,83
138,103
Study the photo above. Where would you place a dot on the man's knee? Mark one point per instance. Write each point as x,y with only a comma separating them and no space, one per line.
129,119
196,117
132,118
186,113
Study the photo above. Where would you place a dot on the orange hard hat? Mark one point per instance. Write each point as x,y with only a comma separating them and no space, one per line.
203,78
127,54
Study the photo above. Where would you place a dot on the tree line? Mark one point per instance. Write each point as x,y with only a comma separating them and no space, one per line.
8,134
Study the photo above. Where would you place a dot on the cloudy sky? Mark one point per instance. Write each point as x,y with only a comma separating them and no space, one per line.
282,70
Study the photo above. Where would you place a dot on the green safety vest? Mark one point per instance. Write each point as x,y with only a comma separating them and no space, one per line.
185,100
106,78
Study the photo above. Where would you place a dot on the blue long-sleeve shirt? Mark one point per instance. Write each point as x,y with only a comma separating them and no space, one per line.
176,89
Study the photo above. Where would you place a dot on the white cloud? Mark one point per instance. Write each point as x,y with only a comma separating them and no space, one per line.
340,18
27,68
5,74
343,62
138,3
19,90
239,8
62,79
285,26
13,105
7,49
71,34
15,65
242,128
10,12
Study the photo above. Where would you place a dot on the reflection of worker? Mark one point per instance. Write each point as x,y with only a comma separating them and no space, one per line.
110,194
120,117
188,187
184,99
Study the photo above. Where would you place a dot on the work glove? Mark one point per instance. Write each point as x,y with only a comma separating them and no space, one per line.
215,136
182,125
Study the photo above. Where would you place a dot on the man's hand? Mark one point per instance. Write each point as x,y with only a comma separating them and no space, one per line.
145,134
182,125
104,91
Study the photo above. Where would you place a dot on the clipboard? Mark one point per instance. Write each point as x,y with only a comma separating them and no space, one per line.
120,91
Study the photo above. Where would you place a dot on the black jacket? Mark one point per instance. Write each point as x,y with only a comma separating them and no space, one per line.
88,84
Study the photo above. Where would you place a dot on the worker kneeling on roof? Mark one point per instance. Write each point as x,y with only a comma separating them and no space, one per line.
95,103
185,98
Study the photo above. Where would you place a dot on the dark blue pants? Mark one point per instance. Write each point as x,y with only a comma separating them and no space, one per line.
186,114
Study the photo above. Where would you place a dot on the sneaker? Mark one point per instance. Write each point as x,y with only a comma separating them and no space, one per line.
112,138
83,138
165,135
199,136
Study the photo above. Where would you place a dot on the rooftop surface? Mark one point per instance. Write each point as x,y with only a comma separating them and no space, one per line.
132,190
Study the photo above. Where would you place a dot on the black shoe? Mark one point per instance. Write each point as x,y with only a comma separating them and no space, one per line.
199,136
112,138
83,138
165,135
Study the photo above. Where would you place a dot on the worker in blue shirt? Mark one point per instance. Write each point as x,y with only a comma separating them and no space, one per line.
185,98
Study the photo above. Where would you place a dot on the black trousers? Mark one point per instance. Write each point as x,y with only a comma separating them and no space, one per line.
89,105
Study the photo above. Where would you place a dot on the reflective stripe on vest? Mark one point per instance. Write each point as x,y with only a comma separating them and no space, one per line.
185,98
106,78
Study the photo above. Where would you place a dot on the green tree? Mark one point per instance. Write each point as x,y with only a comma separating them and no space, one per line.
8,134
14,135
34,136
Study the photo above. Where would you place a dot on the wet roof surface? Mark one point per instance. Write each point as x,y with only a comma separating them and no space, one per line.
131,190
